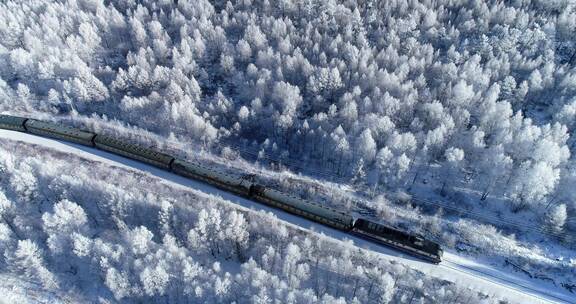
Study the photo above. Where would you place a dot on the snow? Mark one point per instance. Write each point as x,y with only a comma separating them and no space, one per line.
16,290
477,275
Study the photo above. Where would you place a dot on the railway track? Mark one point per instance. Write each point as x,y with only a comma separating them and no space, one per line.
234,182
449,265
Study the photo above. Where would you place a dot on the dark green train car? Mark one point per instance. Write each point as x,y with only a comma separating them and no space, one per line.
127,149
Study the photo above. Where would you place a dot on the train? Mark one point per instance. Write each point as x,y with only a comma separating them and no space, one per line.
238,184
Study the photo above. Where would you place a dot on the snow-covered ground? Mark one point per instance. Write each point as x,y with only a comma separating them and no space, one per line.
480,277
17,290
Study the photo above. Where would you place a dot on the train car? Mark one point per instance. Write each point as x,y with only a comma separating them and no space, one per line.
304,208
230,182
57,131
133,151
12,123
412,244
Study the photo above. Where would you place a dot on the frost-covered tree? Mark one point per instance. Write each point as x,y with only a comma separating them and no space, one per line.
366,146
68,218
206,231
154,280
27,259
454,157
140,239
556,217
5,205
293,268
118,283
236,233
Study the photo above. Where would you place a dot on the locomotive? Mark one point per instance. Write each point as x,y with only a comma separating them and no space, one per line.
236,183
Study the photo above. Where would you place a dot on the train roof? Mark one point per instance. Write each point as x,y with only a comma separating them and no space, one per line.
60,129
133,148
311,207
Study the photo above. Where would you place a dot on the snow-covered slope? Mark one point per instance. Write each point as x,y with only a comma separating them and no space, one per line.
456,269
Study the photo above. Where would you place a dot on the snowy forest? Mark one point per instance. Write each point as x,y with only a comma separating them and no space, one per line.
378,92
70,225
467,101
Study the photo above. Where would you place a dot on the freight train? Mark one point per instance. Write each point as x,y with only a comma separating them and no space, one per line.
239,184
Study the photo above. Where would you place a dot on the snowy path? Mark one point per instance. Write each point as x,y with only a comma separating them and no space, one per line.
486,279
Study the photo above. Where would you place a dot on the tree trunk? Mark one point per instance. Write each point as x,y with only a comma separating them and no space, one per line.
551,200
486,192
443,190
355,287
11,226
412,297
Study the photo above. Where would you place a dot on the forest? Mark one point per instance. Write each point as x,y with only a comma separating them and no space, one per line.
377,92
70,225
468,102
